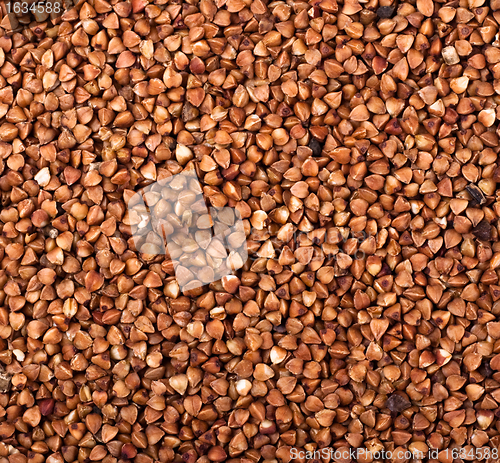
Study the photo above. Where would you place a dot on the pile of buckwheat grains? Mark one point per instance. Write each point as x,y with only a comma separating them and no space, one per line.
357,140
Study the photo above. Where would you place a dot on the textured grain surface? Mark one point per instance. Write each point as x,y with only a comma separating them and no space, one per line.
358,142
